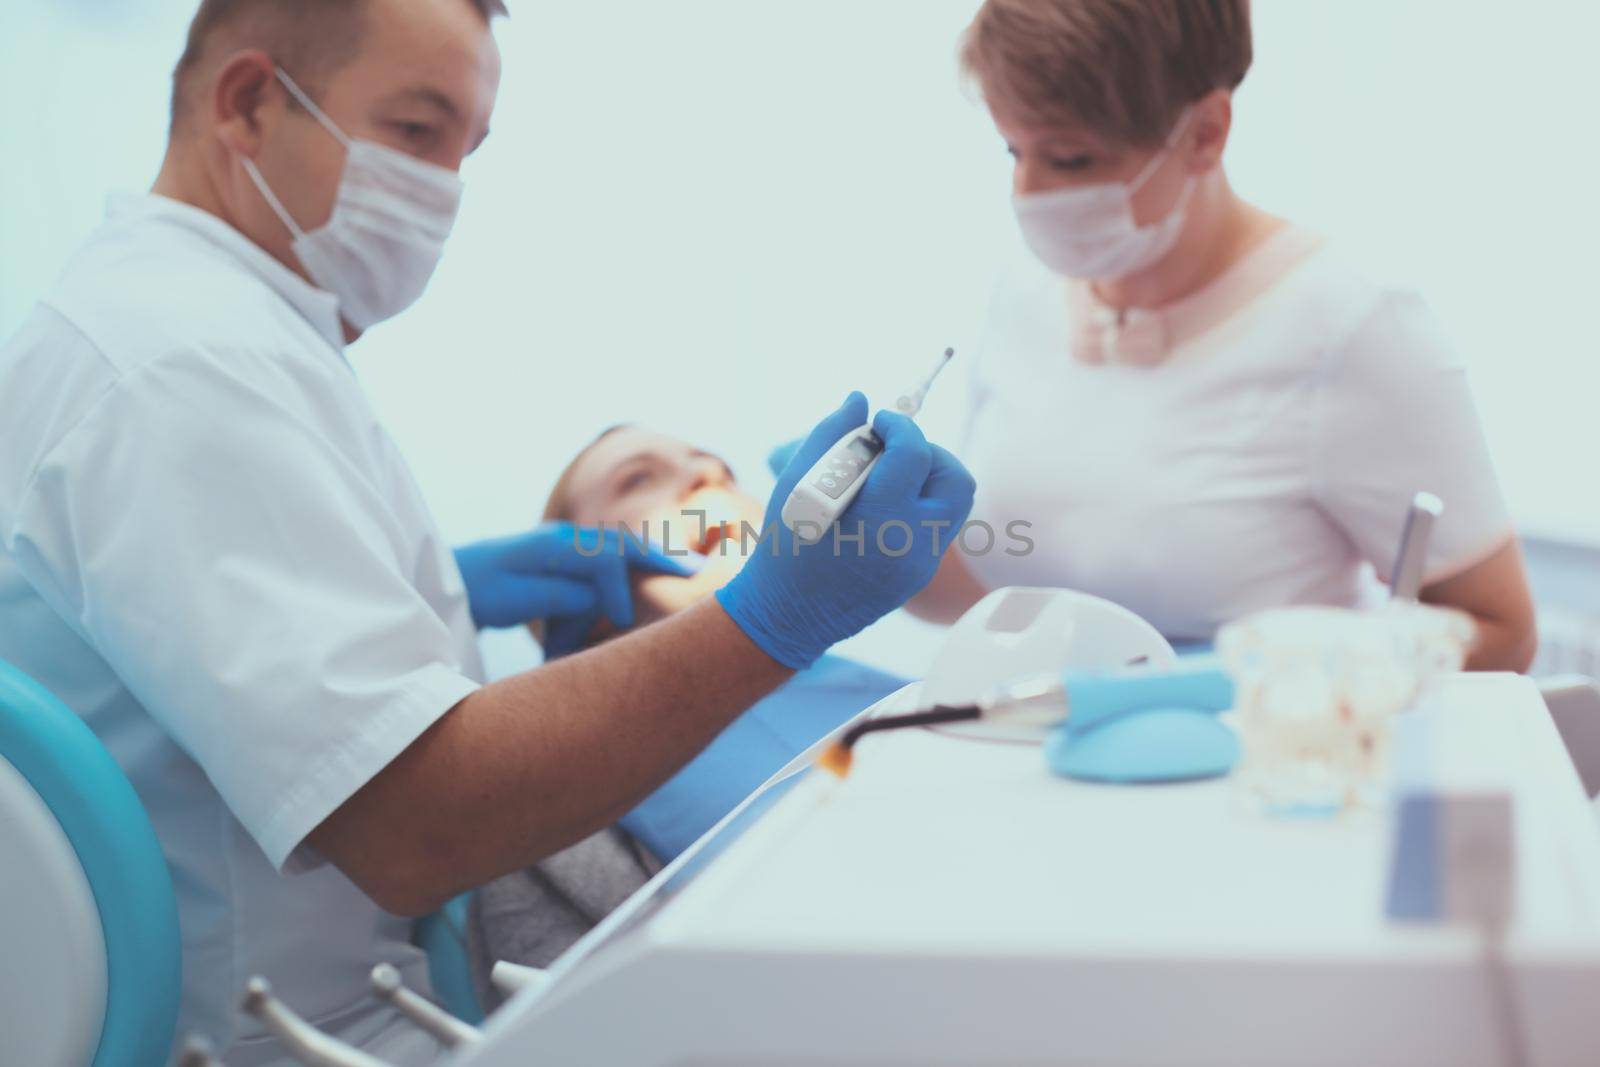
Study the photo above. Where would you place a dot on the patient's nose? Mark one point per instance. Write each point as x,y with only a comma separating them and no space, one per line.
706,473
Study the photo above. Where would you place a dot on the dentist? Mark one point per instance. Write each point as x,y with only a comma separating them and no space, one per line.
214,553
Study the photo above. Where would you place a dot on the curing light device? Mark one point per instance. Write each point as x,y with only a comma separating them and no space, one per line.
830,486
1079,703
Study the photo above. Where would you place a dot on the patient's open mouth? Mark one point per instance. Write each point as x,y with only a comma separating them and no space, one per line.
715,534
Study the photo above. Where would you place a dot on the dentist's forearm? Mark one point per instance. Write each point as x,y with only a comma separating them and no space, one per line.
529,765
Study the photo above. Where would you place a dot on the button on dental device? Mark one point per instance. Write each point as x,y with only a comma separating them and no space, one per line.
830,486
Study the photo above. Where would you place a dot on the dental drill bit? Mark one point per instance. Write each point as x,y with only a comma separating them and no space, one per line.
911,403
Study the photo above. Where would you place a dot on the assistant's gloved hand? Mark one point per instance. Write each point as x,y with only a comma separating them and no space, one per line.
566,576
794,600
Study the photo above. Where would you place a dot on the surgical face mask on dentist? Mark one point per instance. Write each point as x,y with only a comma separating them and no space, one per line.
1089,231
391,218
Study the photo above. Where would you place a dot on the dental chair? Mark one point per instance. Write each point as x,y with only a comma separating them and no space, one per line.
89,951
443,936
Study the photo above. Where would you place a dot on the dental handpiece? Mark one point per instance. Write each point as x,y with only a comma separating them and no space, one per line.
1410,567
832,483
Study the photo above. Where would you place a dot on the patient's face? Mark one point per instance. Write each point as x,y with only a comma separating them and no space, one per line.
637,476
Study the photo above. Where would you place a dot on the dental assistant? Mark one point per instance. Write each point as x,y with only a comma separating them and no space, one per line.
1201,410
214,553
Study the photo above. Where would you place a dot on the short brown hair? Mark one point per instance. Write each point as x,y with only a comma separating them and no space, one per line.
1125,69
559,506
310,38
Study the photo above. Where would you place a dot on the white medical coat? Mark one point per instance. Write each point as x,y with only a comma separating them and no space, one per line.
212,552
1267,459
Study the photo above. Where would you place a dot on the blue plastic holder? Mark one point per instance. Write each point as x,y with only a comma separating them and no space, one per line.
1157,745
1146,726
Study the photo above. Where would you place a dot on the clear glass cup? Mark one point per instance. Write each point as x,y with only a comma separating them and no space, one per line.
1318,691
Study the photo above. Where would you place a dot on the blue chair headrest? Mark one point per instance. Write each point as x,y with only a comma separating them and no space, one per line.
106,823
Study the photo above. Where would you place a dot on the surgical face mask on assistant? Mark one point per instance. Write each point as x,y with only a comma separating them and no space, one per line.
1089,231
390,220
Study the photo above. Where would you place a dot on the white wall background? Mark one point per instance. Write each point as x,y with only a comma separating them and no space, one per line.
716,216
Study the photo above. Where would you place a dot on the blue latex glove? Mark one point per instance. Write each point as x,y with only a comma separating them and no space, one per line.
563,575
779,457
793,600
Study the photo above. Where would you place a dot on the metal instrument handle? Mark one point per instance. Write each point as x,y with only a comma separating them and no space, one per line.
450,1031
305,1042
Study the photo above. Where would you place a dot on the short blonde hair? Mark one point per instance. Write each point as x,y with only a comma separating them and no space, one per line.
1125,69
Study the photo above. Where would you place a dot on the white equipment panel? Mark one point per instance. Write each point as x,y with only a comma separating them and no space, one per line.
955,903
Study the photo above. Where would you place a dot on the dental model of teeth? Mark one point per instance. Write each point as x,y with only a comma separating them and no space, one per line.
1318,692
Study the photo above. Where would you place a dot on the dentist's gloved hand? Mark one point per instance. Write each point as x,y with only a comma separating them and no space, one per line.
794,601
568,577
779,457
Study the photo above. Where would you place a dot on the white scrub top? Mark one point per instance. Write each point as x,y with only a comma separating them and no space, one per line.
215,555
1252,446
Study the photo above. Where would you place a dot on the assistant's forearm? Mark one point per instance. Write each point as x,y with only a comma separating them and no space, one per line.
536,762
1503,646
952,591
1495,593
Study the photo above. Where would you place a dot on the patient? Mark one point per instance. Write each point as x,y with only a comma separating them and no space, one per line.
690,503
684,499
